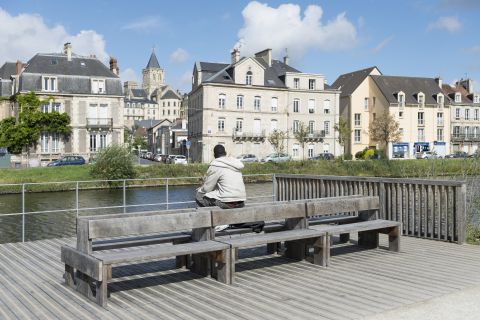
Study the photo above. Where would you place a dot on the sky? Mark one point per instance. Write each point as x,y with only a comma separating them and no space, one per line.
417,38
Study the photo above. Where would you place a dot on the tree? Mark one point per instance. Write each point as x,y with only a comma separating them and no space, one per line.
24,130
277,140
300,135
344,132
113,163
385,129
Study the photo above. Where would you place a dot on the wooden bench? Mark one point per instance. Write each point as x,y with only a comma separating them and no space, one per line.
88,271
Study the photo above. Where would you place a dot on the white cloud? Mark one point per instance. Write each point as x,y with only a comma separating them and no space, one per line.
382,44
144,24
178,56
129,75
24,35
450,24
284,27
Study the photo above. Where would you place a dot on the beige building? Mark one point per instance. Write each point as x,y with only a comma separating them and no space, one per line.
465,116
418,104
240,104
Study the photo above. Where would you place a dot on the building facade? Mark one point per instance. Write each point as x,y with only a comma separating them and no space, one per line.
240,104
84,88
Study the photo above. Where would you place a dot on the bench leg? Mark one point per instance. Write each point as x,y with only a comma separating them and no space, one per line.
295,249
321,251
101,293
223,269
394,239
69,276
201,264
84,285
368,239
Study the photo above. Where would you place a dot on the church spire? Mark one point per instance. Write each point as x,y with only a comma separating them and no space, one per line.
153,62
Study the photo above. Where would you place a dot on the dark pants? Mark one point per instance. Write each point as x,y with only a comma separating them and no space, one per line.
210,202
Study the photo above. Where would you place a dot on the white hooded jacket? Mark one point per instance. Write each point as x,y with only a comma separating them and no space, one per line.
224,180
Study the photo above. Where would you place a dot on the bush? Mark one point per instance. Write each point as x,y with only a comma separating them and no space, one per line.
347,156
113,163
359,155
370,153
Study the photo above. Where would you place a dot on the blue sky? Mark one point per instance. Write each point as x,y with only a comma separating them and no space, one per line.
405,38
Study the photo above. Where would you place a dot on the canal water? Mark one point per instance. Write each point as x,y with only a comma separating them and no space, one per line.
54,213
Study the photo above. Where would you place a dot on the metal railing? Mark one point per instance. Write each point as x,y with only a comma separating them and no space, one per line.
77,210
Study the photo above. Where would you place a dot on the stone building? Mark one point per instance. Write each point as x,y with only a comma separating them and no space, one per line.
239,104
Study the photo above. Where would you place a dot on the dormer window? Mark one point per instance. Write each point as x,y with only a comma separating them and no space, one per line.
296,83
49,84
98,86
458,97
401,99
421,99
476,98
248,78
311,84
440,99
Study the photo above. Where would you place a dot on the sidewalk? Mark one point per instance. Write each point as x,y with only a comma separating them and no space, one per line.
461,305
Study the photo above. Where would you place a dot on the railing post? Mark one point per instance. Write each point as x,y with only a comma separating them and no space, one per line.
76,199
461,212
23,212
166,191
124,197
274,187
382,197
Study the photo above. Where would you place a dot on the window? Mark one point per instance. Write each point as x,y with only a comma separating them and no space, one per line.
357,137
44,108
365,104
49,84
168,103
357,119
240,102
296,126
475,114
467,114
221,101
440,100
56,107
421,134
401,100
295,152
421,100
274,104
44,142
311,106
93,142
256,103
458,97
174,103
311,84
439,134
102,141
311,127
310,151
400,115
401,131
476,98
326,106
374,99
239,125
55,142
98,86
248,78
440,118
457,114
221,125
168,111
421,120
174,112
273,124
326,127
296,105
296,83
374,115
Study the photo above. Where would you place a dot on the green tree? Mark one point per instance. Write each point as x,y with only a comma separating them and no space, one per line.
344,133
277,140
301,133
25,129
385,129
113,163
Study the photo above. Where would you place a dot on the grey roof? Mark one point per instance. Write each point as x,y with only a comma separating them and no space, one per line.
147,123
7,70
139,93
170,94
209,69
153,62
450,91
58,64
140,100
411,86
348,82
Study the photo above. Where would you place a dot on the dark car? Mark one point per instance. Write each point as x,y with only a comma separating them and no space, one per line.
323,156
458,154
67,161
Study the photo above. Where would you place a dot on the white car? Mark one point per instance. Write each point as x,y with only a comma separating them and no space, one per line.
179,160
277,157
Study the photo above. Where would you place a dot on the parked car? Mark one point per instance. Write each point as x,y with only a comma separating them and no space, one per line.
428,155
277,157
179,160
169,158
458,154
67,161
159,157
323,156
248,158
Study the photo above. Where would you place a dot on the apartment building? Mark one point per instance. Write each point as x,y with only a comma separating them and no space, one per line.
83,87
239,104
417,104
7,71
465,116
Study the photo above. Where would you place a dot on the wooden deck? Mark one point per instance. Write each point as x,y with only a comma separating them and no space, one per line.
357,284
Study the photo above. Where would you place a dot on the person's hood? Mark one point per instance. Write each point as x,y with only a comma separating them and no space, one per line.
228,162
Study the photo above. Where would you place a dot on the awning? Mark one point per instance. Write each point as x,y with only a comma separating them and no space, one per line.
439,143
421,144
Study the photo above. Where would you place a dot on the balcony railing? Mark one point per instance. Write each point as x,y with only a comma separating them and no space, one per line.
465,137
248,135
99,122
315,135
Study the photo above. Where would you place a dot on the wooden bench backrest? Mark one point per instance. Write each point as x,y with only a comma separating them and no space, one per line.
136,214
327,206
261,212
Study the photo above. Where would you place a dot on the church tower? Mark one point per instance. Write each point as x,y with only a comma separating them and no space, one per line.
153,75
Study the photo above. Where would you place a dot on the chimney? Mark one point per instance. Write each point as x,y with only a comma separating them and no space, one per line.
285,60
114,66
439,81
18,67
235,55
266,55
67,49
